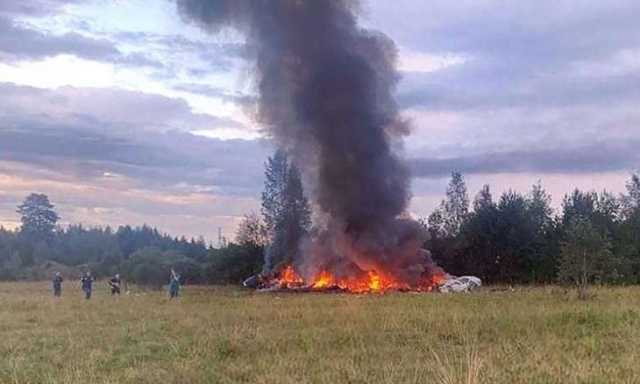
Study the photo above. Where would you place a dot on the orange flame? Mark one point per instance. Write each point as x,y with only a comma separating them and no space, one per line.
374,281
324,280
289,278
371,282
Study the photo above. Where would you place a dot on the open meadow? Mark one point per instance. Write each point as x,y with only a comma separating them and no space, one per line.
229,335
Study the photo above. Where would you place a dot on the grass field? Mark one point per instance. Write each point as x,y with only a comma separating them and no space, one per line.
228,335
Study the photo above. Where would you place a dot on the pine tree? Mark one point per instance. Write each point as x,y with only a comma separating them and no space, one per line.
38,222
541,259
275,182
578,205
631,201
539,207
286,210
455,207
633,187
38,217
483,199
479,256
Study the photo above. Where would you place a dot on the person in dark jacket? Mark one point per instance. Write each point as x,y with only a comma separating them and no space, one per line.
57,284
114,283
174,285
87,285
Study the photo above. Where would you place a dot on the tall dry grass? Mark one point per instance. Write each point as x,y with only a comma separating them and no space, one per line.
228,335
464,368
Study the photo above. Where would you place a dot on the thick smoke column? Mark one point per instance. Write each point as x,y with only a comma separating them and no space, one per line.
326,96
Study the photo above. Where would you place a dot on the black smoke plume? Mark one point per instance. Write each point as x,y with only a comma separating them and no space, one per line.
326,96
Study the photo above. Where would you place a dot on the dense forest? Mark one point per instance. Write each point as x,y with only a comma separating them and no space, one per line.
518,238
515,238
141,254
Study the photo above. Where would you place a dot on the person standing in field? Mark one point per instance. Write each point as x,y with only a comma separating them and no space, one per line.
57,284
87,284
174,285
114,283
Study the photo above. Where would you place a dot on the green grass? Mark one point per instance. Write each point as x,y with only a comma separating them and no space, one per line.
228,335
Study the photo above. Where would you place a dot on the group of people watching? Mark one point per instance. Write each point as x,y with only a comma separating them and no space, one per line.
87,280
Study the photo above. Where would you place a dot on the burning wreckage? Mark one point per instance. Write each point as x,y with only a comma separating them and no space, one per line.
326,97
288,280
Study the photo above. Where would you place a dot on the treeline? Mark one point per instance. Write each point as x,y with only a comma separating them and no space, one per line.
142,255
145,256
102,250
512,238
518,238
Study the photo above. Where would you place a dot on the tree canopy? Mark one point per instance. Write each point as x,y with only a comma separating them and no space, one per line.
520,238
38,217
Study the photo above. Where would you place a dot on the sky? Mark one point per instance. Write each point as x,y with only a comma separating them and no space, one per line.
122,113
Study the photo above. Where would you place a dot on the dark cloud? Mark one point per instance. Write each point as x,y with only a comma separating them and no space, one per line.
105,107
458,89
167,161
540,87
535,32
24,43
50,129
550,53
18,42
601,157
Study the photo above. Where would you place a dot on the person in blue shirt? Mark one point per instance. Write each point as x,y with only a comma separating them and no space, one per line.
57,284
174,285
87,285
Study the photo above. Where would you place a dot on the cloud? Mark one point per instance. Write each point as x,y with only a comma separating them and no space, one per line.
94,133
183,52
507,93
20,42
546,31
111,157
542,53
119,202
472,86
32,7
97,108
543,87
601,157
169,161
